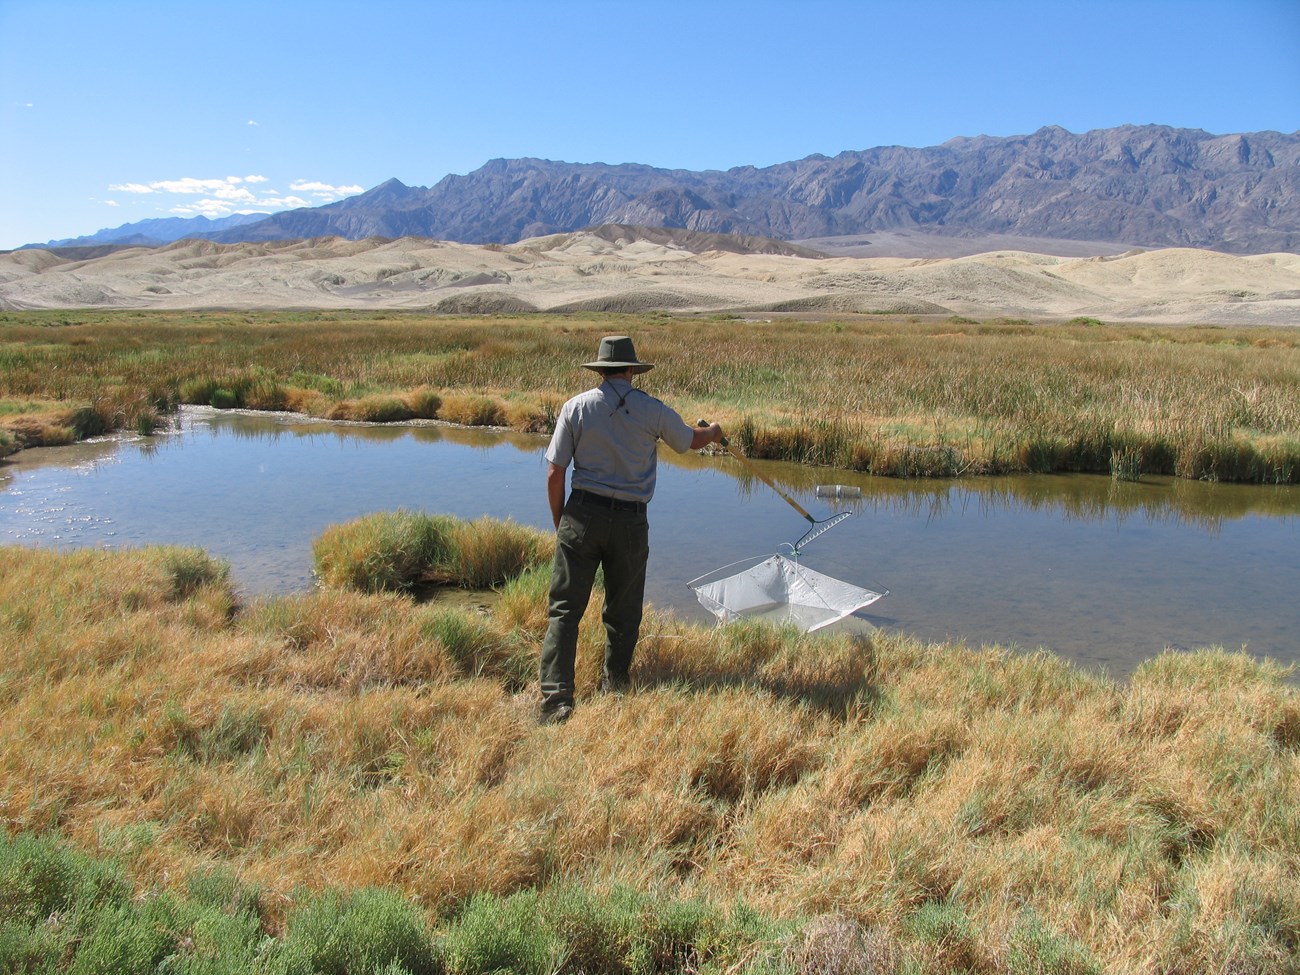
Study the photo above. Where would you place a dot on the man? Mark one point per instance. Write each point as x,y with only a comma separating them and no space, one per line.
609,434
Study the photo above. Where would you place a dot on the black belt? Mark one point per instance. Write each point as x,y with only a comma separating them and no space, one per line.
614,504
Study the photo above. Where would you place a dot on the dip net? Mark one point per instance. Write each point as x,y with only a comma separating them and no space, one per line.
782,591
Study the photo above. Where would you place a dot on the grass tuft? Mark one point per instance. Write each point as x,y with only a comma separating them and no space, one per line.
383,552
394,551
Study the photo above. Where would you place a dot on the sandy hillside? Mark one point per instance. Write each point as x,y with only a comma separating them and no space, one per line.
584,271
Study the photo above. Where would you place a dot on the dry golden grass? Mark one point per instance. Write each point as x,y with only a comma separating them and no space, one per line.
889,395
941,807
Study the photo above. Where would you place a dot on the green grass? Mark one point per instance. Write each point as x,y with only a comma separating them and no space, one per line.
62,910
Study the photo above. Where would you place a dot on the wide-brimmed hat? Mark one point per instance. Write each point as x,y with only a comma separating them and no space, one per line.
617,352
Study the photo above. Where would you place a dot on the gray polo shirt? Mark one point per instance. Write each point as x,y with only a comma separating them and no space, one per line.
609,435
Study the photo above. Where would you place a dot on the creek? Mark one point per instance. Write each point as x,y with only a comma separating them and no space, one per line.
1105,573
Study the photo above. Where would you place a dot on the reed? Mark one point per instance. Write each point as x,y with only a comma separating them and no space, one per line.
347,761
896,396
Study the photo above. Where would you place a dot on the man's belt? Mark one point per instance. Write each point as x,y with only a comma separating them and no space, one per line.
600,500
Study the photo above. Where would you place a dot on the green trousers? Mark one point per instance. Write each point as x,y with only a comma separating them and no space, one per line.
592,536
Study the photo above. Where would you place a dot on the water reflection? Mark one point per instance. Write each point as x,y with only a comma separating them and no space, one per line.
1107,573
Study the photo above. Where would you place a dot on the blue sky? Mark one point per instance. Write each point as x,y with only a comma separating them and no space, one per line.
113,111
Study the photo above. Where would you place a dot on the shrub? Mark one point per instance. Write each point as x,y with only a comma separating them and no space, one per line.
380,409
533,414
262,392
40,877
126,941
833,945
315,381
472,411
369,931
199,391
424,402
494,935
146,422
308,402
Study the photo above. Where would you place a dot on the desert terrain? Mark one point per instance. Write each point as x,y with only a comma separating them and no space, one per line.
626,270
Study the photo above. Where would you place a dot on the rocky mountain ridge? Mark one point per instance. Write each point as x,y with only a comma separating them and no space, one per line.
1148,186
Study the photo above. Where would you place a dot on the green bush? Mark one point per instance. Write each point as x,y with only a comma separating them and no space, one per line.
369,931
1034,948
34,949
495,935
126,940
40,877
318,382
224,399
62,911
198,392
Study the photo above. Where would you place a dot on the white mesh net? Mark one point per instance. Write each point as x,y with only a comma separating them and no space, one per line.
781,590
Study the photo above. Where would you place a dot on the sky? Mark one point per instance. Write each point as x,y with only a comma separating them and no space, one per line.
115,111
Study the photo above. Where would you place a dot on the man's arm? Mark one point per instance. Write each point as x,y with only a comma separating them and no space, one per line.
555,491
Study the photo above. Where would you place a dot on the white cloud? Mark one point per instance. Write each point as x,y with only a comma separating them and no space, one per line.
111,203
220,197
323,190
204,208
251,122
188,184
223,206
283,202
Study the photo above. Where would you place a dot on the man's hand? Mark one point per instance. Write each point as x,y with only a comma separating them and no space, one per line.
705,434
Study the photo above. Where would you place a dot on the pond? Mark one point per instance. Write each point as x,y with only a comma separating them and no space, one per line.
1105,573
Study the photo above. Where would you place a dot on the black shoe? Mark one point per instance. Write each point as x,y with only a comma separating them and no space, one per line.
615,685
556,715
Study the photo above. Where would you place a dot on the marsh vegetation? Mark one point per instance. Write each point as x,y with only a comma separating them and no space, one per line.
880,394
352,780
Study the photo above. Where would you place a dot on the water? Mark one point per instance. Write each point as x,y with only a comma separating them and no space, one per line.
1104,573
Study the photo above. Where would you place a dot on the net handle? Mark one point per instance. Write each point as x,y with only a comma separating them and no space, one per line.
760,475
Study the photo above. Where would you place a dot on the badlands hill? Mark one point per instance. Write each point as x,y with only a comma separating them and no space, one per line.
629,269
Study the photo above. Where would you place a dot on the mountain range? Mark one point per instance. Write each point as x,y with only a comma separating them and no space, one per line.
1142,186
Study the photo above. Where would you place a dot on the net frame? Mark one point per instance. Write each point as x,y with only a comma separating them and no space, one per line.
778,589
